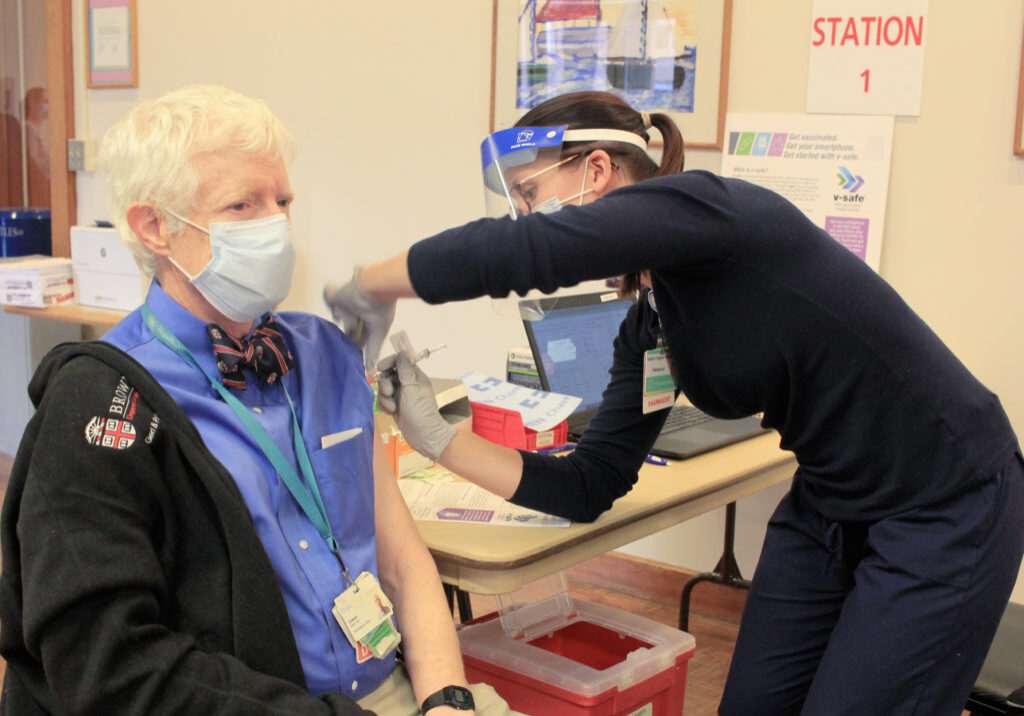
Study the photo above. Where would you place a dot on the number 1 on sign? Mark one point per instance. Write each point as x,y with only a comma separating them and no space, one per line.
866,74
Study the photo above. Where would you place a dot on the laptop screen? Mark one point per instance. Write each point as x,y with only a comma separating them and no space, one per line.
572,344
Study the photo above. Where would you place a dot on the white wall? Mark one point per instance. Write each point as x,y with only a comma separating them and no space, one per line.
26,341
389,109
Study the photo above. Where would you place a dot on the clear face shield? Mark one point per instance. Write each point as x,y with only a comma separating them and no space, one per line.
511,156
520,172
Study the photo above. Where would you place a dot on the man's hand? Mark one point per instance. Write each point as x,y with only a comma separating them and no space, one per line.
365,318
408,395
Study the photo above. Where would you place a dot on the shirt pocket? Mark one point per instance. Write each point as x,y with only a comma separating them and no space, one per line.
344,474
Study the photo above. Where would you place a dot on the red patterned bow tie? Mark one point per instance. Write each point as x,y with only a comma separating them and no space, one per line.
265,353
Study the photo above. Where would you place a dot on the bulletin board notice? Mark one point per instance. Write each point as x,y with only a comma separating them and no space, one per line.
834,168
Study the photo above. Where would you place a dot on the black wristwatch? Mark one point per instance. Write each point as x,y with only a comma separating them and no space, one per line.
458,697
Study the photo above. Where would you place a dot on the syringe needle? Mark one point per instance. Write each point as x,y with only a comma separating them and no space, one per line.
425,353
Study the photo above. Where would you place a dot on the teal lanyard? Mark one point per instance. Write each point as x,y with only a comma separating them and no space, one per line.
308,495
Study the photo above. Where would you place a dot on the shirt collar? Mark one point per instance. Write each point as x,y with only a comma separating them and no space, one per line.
188,329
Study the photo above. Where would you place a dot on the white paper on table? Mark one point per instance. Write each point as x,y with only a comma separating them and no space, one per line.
540,409
447,500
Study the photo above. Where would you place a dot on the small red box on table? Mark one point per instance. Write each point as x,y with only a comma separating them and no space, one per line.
505,427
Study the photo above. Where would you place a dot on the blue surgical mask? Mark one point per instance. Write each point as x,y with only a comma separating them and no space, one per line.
251,269
548,207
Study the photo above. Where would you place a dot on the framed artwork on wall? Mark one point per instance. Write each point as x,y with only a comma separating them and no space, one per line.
112,43
1018,132
668,56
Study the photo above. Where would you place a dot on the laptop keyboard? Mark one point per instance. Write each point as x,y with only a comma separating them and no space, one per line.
684,416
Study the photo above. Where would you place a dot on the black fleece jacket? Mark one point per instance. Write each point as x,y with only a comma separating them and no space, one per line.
133,581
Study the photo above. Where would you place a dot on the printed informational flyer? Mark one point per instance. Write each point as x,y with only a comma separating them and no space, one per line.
435,495
834,168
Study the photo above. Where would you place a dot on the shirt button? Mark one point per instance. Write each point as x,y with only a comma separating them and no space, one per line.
355,685
257,410
303,544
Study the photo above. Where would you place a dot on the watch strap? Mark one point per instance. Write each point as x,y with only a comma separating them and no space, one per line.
458,697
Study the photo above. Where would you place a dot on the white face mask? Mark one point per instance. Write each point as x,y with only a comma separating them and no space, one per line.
550,206
251,269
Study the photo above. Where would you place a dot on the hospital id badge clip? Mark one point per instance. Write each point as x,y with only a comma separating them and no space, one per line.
659,385
364,612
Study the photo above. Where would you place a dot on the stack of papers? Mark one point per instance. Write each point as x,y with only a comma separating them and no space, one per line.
435,495
36,281
540,410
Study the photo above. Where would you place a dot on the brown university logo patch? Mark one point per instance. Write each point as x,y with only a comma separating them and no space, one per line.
116,429
110,432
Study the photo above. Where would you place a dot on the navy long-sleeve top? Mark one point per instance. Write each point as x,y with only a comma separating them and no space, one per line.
762,312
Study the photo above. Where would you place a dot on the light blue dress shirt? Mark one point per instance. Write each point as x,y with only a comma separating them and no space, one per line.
330,393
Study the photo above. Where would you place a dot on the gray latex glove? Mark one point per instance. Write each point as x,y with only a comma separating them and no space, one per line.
409,396
366,319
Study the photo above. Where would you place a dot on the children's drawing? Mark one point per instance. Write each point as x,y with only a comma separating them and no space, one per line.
643,50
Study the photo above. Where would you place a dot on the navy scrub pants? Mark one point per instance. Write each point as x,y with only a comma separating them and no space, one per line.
890,617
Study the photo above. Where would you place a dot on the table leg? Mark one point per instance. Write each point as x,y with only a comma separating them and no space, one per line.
453,594
465,608
726,572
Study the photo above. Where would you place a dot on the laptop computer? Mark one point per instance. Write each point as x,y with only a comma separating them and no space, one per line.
571,341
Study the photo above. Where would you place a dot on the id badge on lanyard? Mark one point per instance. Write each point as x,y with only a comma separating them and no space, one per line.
364,612
659,385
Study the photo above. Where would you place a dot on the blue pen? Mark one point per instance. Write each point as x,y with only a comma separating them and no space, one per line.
557,448
651,459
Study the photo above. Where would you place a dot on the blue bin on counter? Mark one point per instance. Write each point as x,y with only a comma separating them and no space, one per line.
25,231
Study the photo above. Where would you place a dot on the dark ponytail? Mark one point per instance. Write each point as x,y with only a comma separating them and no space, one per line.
672,155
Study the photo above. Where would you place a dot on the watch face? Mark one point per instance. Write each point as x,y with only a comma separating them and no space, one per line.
458,697
461,696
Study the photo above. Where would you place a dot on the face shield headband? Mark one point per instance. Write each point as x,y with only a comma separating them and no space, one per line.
517,146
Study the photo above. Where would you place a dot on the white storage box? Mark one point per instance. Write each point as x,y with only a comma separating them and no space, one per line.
106,274
36,281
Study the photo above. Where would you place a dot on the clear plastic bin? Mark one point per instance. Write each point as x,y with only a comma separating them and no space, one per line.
570,657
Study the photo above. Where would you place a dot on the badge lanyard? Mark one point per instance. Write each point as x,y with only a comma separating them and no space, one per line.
313,505
659,387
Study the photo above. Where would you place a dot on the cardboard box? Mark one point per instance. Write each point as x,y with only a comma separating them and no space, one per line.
575,658
36,281
106,274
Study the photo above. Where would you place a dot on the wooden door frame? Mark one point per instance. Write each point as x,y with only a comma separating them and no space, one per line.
61,96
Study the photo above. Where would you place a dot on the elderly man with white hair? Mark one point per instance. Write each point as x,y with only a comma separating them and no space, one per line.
200,518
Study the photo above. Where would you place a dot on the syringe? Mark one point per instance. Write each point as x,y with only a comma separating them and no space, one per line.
388,372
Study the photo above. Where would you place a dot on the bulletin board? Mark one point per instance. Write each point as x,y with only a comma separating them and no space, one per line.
112,43
674,61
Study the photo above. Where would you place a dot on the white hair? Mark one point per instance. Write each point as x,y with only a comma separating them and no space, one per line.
147,155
